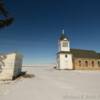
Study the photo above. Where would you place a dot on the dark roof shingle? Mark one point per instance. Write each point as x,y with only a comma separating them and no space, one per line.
79,53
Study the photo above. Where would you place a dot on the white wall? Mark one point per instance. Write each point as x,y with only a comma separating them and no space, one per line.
18,65
63,62
10,67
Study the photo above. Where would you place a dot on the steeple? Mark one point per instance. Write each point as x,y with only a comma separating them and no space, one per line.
64,43
63,31
63,37
64,57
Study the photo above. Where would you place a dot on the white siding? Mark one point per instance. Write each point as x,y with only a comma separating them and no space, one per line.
65,63
10,67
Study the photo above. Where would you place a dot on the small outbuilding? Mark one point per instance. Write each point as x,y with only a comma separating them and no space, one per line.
10,66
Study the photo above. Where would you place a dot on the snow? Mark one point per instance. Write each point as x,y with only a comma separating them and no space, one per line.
51,84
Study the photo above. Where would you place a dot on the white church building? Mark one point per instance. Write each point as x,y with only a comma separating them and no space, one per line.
76,59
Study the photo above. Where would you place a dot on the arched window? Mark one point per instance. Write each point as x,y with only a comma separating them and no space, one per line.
86,63
92,63
79,63
98,63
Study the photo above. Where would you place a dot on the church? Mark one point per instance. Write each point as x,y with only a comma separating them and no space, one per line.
76,59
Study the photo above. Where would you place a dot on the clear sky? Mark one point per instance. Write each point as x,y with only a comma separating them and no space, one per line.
38,25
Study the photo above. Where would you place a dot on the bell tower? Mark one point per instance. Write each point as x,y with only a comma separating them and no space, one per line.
64,43
64,56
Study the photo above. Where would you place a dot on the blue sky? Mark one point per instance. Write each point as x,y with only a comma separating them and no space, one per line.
38,24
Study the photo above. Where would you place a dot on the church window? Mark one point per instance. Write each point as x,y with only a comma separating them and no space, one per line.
92,63
65,56
99,63
64,44
79,63
86,63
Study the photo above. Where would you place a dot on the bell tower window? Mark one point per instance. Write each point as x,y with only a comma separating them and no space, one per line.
64,44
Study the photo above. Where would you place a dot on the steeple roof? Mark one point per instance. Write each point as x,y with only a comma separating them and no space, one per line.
62,37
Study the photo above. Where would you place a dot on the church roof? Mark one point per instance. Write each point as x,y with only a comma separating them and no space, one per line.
79,53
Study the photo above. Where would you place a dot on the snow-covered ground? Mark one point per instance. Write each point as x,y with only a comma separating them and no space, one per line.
51,84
